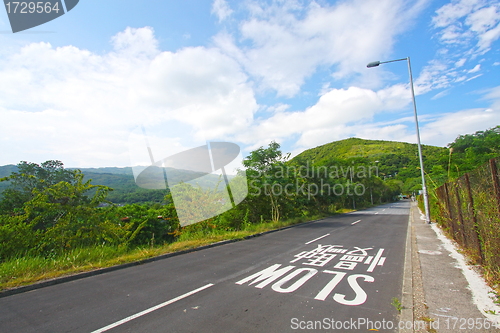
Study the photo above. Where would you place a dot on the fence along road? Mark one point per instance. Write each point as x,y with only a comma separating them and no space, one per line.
469,210
330,269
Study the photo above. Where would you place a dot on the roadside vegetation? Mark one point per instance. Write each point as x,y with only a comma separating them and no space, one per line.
52,222
27,269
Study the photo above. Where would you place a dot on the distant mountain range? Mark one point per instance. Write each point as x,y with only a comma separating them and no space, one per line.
122,181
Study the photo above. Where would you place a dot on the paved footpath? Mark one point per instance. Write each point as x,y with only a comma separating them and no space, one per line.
445,288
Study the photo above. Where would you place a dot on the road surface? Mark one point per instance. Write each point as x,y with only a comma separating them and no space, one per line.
341,271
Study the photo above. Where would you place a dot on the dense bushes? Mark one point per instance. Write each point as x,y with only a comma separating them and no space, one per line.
50,217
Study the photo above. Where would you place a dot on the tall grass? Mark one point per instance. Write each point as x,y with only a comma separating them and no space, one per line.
30,269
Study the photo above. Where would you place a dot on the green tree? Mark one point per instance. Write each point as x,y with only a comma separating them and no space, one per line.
266,169
471,150
57,218
30,177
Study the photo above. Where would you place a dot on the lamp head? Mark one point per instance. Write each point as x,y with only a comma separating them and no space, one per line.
373,64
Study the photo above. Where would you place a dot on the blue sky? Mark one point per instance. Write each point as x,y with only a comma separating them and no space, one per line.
78,88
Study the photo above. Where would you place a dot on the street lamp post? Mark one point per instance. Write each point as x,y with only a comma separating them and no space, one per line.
424,188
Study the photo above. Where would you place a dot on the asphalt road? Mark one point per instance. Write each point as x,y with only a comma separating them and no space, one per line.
339,271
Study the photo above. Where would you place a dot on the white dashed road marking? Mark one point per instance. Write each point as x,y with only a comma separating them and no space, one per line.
317,239
154,308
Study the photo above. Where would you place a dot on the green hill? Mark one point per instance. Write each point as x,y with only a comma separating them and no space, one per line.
371,149
395,160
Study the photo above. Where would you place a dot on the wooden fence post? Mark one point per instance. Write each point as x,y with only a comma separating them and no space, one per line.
460,217
452,225
474,221
496,185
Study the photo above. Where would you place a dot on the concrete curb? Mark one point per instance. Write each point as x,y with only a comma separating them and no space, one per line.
407,292
419,306
77,276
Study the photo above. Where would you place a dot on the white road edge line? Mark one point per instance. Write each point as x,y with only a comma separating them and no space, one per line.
317,239
142,313
353,223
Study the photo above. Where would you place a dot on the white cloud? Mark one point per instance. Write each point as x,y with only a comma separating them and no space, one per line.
494,96
221,9
78,106
474,77
336,115
283,44
280,107
477,68
460,63
441,94
136,42
448,126
469,21
436,75
467,29
448,14
332,119
439,129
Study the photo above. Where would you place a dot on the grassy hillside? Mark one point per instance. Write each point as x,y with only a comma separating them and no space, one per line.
372,149
395,160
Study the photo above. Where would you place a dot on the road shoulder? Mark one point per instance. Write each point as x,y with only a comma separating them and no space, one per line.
413,298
